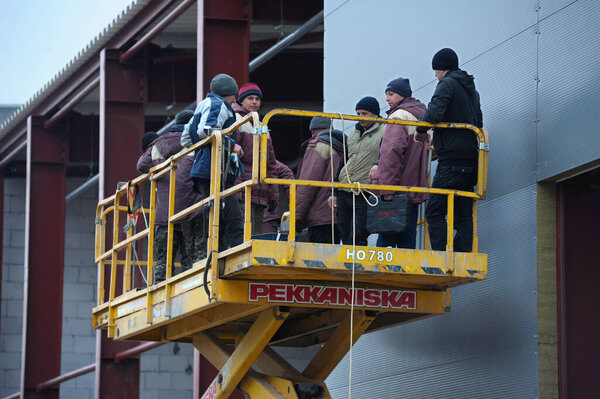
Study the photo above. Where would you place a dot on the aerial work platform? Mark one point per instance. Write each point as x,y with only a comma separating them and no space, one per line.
239,304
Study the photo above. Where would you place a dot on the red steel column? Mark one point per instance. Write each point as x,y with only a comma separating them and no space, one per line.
44,258
121,131
223,41
223,47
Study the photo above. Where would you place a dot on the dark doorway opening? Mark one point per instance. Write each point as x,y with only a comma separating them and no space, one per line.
578,293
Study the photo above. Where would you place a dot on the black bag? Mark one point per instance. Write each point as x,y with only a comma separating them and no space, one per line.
389,216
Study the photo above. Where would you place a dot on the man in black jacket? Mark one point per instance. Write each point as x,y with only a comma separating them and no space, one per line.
455,100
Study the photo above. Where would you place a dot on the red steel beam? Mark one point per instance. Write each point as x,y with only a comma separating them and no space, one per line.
126,354
139,22
92,367
89,67
19,132
66,377
152,33
44,257
72,103
13,153
121,131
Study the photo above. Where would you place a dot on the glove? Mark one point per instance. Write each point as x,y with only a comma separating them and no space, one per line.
272,206
422,129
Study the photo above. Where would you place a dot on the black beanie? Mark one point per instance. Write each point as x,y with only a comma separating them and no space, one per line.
147,139
445,60
368,104
183,117
400,86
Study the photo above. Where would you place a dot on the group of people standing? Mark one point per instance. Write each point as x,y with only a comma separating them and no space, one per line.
390,154
373,152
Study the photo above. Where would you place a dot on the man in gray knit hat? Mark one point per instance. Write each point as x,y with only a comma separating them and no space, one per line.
215,113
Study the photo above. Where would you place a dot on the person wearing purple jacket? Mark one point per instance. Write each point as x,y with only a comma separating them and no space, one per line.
264,196
402,159
190,232
319,158
272,220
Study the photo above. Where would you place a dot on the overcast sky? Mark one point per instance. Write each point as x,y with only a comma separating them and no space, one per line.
39,37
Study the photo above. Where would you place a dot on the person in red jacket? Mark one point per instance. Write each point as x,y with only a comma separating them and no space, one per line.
402,159
264,196
320,157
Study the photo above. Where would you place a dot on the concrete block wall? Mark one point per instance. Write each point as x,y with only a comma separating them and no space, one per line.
166,372
79,292
13,253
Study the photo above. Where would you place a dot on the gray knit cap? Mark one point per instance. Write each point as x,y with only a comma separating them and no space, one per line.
318,123
223,85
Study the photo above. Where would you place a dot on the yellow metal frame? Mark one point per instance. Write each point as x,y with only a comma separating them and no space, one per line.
265,293
483,151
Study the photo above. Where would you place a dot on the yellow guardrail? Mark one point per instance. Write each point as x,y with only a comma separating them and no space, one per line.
112,204
483,151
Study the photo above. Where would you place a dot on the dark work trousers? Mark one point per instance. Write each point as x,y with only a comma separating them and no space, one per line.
257,213
406,239
194,238
344,218
160,250
231,223
455,175
322,234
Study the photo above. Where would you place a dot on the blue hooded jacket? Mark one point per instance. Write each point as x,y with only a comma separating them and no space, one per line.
212,113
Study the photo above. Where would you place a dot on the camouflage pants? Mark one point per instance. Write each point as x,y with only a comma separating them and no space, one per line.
160,250
257,213
195,232
189,239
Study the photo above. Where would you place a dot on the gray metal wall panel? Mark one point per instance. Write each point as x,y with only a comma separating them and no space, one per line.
495,43
485,347
569,87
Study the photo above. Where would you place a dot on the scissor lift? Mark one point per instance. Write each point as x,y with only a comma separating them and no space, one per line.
239,304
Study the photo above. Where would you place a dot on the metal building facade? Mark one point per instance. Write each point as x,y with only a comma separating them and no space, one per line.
533,63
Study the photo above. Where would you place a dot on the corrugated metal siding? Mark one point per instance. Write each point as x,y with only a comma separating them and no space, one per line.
569,87
495,42
485,347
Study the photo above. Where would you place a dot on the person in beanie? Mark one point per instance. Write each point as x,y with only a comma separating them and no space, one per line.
147,140
315,163
264,196
402,160
363,153
455,100
187,238
215,113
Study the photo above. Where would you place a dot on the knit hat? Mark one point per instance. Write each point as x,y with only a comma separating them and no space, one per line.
368,104
249,89
318,123
147,139
223,85
400,86
445,60
183,117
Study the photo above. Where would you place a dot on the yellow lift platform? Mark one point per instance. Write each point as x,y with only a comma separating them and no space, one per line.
263,294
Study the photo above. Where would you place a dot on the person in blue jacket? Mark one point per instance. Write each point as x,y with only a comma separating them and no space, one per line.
215,113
